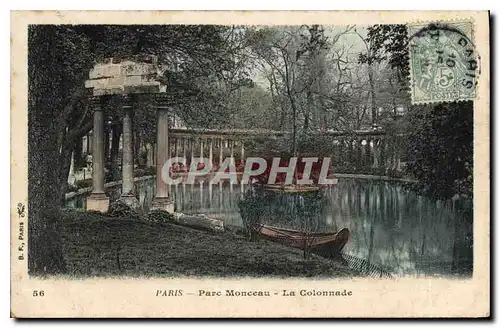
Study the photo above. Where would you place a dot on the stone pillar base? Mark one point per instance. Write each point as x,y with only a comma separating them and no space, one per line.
98,202
131,201
163,204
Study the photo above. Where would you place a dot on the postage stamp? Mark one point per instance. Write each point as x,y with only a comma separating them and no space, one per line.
243,165
443,62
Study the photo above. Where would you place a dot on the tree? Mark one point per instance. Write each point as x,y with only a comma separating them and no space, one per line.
440,150
44,81
385,43
439,137
294,60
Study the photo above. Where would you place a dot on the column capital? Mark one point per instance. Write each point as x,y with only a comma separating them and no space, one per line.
96,102
162,102
127,101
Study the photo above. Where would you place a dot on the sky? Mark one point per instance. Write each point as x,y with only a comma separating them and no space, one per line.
351,40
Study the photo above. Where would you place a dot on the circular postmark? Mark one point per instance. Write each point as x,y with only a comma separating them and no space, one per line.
443,62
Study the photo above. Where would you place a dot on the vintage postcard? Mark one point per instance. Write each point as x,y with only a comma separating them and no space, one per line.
250,164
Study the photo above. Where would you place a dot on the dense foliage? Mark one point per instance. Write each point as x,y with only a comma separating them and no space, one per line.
440,150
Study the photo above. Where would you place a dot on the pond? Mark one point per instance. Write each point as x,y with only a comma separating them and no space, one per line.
391,227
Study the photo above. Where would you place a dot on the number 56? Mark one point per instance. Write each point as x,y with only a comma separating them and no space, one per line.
38,293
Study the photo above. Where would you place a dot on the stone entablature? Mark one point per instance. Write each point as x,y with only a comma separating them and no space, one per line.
115,76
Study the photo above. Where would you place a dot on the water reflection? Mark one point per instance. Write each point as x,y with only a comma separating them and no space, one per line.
391,227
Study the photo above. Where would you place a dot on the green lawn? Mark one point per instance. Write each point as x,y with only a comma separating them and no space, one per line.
97,245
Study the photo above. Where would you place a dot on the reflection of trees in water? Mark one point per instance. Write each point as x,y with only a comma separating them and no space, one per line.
390,226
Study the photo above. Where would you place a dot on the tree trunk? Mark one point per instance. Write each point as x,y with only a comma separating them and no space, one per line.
372,92
44,249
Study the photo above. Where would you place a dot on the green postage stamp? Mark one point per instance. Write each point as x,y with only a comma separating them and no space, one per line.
443,62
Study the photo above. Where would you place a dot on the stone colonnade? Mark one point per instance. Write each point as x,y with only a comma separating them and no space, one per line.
215,148
377,151
98,200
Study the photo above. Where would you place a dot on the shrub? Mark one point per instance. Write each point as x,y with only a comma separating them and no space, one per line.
80,184
159,216
252,209
121,209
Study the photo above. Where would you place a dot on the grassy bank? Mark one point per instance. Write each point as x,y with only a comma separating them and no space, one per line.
97,245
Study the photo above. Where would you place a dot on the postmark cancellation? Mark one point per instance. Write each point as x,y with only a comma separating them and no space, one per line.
444,65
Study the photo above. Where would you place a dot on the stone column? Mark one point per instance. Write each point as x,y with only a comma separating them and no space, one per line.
162,201
98,201
221,150
192,142
362,151
242,151
201,147
184,148
231,145
211,151
128,152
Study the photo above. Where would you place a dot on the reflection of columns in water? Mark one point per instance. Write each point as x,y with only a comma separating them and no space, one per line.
358,201
177,197
400,206
210,194
367,198
201,195
378,199
220,195
371,199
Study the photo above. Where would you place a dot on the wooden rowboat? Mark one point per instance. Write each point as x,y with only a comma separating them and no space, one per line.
321,243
